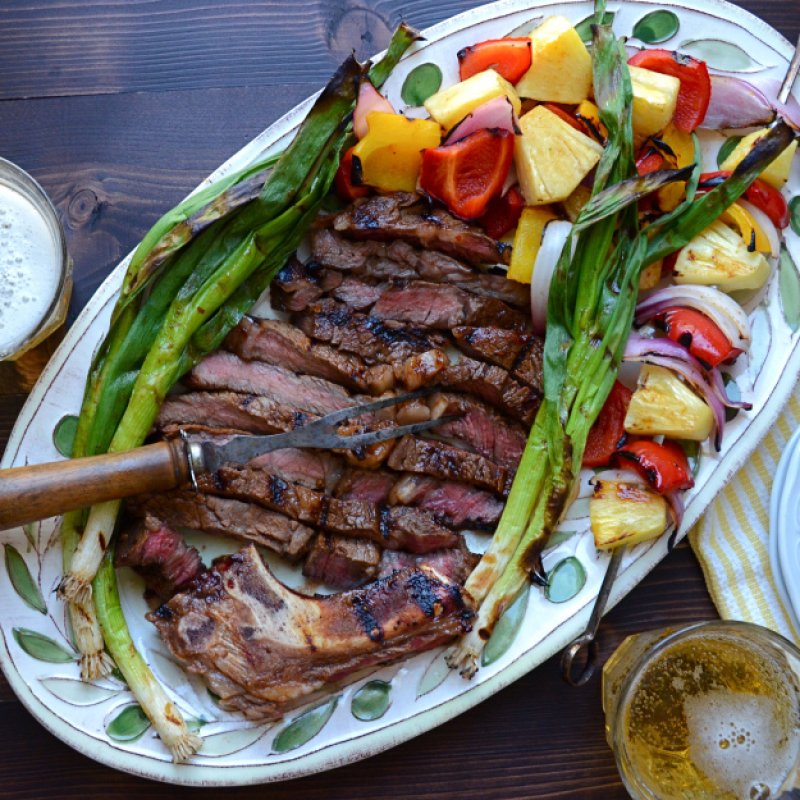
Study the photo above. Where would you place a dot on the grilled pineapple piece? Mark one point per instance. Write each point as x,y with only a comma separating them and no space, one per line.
451,105
664,404
551,157
561,67
650,276
654,99
574,204
625,513
777,173
719,257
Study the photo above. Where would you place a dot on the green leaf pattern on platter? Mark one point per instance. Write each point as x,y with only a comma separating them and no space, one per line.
305,727
423,81
789,282
656,27
64,434
721,55
22,580
794,214
565,580
128,725
506,629
434,676
77,692
42,647
372,700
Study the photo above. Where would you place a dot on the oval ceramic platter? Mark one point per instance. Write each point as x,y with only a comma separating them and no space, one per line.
400,701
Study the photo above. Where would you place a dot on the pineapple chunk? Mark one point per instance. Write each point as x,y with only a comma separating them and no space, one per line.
527,242
574,204
561,67
777,173
625,514
664,404
654,99
551,157
719,257
451,105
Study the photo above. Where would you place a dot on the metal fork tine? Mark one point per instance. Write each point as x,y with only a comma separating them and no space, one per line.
335,417
334,440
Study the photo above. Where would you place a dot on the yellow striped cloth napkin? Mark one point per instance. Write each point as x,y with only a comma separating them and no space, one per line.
731,539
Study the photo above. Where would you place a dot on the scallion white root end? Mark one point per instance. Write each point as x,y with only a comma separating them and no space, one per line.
75,590
95,665
95,662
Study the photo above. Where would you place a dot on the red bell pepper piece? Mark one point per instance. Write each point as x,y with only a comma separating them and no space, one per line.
346,187
572,121
466,175
664,466
759,193
695,92
650,160
698,334
503,213
608,432
510,58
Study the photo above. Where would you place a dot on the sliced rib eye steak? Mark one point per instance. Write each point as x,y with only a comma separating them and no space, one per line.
454,564
341,562
225,516
263,648
159,555
405,218
285,345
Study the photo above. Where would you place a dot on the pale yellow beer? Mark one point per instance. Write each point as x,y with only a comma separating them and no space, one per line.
35,276
708,713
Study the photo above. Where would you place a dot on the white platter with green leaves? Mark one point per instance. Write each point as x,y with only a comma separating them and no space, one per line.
400,701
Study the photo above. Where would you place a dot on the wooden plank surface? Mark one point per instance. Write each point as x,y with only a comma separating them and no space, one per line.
120,107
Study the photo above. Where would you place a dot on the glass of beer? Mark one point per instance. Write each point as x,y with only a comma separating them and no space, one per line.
708,712
35,273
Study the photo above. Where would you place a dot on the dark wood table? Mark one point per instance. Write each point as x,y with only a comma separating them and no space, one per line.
119,108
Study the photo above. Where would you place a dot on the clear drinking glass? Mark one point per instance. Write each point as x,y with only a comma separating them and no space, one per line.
707,712
35,273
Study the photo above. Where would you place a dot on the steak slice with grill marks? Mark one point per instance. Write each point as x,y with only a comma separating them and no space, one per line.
400,261
244,412
492,384
480,428
298,284
519,352
263,648
457,504
373,486
223,371
441,460
284,345
396,528
225,516
405,217
376,341
444,307
454,564
159,555
341,562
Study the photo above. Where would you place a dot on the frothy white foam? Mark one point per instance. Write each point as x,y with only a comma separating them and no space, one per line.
29,268
735,741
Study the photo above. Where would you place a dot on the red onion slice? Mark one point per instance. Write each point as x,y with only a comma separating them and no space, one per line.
790,111
496,113
369,100
554,238
736,104
721,309
676,508
718,382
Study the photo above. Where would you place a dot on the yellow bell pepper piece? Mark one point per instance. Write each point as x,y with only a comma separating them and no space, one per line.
527,241
682,144
749,229
777,173
391,152
589,112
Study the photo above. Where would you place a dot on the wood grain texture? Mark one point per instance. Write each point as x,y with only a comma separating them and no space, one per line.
119,108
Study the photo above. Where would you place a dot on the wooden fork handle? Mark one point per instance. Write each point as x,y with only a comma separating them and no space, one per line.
44,490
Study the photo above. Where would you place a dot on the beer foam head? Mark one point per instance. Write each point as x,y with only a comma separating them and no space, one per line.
734,741
29,269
